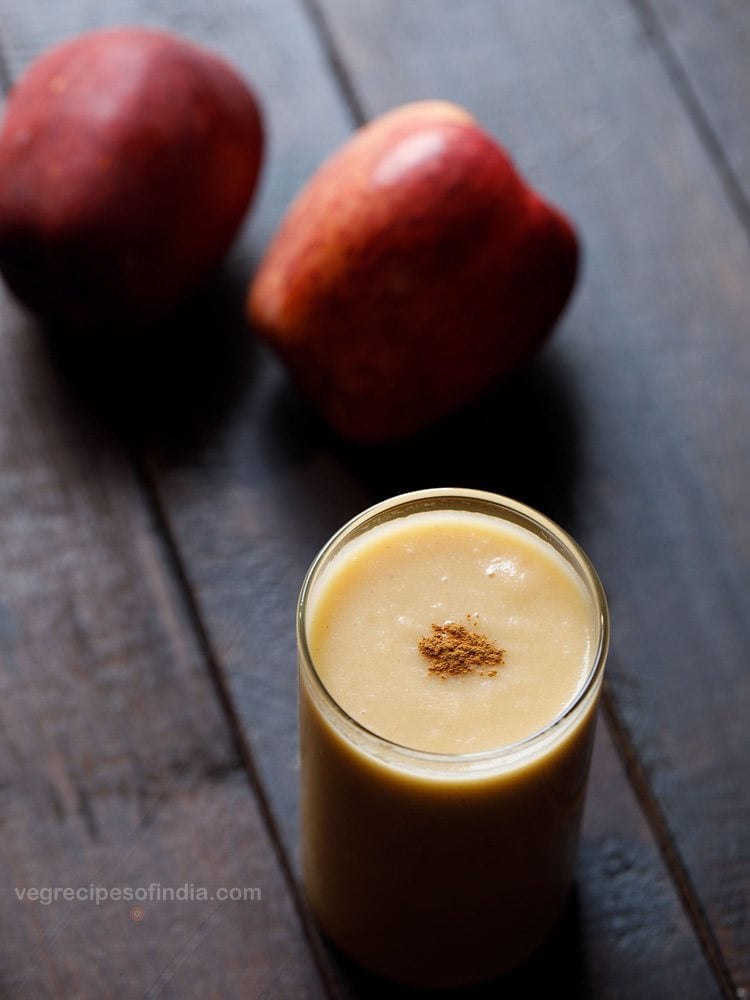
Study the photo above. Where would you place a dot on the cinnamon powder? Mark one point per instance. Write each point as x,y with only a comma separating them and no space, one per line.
454,650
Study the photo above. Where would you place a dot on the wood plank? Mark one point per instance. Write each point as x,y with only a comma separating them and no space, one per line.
118,767
706,46
655,361
179,417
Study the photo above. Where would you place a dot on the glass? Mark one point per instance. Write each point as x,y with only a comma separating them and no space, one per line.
442,869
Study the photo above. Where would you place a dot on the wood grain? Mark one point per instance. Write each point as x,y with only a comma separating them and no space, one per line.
118,768
705,45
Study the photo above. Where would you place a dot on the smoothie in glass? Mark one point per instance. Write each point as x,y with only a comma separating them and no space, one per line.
452,645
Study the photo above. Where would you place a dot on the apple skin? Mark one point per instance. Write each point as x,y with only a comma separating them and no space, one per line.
414,269
128,159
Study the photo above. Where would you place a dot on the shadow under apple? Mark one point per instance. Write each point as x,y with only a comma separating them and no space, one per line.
167,387
519,439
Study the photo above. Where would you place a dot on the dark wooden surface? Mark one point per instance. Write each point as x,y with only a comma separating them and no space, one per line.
159,506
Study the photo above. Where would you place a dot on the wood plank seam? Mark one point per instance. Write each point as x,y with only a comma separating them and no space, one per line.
6,81
656,819
686,93
336,61
175,564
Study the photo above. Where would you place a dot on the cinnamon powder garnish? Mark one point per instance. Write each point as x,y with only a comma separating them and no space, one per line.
454,650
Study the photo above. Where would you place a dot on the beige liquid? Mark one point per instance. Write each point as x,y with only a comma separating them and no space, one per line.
381,596
435,871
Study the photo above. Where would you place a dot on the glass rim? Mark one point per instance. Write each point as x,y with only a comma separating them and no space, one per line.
523,515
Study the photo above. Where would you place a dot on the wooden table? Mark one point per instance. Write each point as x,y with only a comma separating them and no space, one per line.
159,505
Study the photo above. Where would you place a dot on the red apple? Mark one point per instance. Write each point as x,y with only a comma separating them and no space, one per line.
128,158
414,269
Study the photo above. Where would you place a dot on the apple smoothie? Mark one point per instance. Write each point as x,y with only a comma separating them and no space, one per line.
452,645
